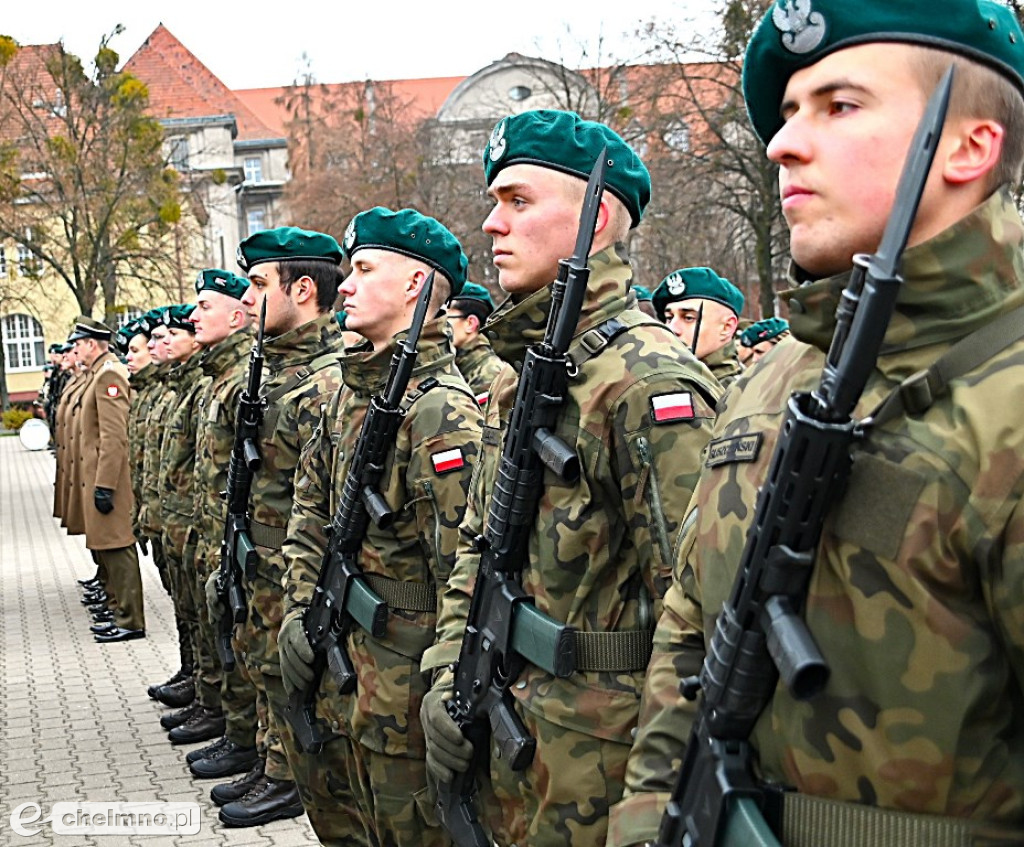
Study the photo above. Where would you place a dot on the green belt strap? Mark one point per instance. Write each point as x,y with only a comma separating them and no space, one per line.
271,537
615,652
410,596
819,822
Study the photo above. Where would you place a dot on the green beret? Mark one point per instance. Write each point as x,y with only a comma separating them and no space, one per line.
341,317
54,348
122,337
65,348
287,243
797,33
764,330
642,293
412,234
86,327
565,142
221,281
472,291
697,283
177,317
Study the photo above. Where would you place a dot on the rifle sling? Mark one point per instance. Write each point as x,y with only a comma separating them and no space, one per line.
410,596
817,822
613,652
271,537
918,391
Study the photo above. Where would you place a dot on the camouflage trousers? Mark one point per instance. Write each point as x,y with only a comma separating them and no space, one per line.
231,692
563,798
268,736
178,556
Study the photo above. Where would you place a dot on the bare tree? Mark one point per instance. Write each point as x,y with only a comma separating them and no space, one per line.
84,186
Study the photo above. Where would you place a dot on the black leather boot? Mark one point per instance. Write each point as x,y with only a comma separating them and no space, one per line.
226,760
268,800
180,694
202,726
228,792
178,718
184,672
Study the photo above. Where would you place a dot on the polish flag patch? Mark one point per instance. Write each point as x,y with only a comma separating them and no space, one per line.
678,406
113,391
447,460
481,398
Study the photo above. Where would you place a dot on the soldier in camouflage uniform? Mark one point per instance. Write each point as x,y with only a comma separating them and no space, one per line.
296,273
689,294
639,412
474,357
915,596
222,324
373,772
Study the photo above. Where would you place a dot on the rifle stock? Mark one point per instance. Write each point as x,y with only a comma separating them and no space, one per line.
759,635
342,596
504,630
237,553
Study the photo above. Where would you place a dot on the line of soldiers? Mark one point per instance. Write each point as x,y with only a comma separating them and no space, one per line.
915,599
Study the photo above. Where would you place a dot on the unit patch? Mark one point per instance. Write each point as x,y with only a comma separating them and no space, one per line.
738,448
447,460
113,391
668,408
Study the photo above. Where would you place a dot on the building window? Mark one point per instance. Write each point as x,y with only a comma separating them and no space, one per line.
3,262
178,153
519,93
129,314
28,265
677,136
24,346
256,221
254,169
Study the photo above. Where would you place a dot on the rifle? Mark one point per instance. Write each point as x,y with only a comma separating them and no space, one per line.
504,629
759,634
342,595
236,548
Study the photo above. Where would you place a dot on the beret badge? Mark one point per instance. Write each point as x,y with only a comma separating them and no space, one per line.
803,29
676,285
497,145
350,235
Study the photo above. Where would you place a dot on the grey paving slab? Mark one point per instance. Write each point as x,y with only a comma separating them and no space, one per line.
75,721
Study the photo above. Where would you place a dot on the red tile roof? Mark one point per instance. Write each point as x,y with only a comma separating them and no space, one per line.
180,86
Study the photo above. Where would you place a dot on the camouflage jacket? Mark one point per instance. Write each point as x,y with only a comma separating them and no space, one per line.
178,453
724,363
145,390
425,481
915,597
304,365
479,365
225,366
165,388
599,550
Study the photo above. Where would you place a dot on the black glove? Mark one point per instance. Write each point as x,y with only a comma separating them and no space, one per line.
143,544
104,500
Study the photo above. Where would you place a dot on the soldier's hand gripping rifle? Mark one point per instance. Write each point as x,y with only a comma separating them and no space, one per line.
504,630
759,634
236,549
342,596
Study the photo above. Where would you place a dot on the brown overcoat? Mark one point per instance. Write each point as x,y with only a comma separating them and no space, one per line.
102,435
68,397
72,517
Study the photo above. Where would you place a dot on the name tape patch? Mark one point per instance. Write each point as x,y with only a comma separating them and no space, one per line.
738,448
447,460
667,408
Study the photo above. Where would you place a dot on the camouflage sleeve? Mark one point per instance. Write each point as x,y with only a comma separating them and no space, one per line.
657,451
665,715
445,443
306,540
1008,590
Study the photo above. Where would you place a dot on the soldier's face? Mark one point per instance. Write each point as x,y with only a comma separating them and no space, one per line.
86,351
138,354
716,328
849,119
265,284
376,294
180,344
532,225
212,316
157,349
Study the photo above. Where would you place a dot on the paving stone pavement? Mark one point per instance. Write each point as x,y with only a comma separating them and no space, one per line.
75,721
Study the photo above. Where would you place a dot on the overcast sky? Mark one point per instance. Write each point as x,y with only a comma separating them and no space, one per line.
255,45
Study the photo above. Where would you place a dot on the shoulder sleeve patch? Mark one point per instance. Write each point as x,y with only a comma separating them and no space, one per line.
481,398
737,448
669,408
447,460
113,391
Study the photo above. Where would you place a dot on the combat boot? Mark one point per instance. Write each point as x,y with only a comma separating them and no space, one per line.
180,694
184,672
231,791
202,726
174,719
268,800
226,760
208,750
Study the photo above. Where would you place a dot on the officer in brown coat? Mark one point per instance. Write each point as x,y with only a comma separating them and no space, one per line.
104,493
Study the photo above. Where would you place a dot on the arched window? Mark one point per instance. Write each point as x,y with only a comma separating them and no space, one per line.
24,345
